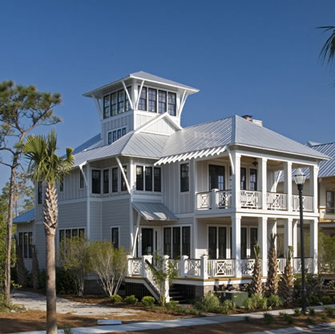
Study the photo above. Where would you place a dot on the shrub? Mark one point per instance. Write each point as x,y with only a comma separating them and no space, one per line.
326,300
148,301
131,299
248,304
311,312
274,301
209,303
268,318
297,311
256,302
329,310
313,300
310,321
324,316
313,286
229,304
115,299
172,305
64,282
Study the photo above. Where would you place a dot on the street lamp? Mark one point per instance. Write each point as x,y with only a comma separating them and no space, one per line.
299,179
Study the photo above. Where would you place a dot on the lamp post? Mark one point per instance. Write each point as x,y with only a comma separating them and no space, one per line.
299,179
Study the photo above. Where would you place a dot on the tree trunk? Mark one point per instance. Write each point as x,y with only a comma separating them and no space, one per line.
9,232
51,284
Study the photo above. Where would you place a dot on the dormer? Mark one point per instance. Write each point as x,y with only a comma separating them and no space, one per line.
129,103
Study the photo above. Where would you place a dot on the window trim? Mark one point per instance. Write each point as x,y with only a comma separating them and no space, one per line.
117,227
99,183
105,186
113,101
26,244
182,185
71,229
171,228
330,209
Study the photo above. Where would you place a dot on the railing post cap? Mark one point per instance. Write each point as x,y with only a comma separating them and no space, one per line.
184,257
129,257
166,257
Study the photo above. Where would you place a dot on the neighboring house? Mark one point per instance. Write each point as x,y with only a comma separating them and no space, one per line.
203,195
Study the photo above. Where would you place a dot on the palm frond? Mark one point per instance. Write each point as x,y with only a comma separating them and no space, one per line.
327,52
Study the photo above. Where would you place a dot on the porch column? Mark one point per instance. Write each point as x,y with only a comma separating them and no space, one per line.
272,229
314,244
263,179
287,235
263,241
236,186
314,171
288,184
236,243
295,238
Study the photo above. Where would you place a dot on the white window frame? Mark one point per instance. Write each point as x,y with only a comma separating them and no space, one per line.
181,237
111,234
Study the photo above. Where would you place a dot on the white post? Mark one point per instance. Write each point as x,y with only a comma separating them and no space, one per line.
182,269
236,202
314,244
236,244
263,171
295,238
203,266
214,199
314,170
287,235
288,184
130,265
145,258
166,282
263,241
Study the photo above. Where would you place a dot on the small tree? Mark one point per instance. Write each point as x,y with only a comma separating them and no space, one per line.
272,281
74,257
109,264
286,285
162,272
256,283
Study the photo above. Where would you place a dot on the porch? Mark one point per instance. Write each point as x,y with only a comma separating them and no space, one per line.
222,199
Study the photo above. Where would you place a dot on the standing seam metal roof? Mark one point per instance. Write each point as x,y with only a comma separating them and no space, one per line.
327,168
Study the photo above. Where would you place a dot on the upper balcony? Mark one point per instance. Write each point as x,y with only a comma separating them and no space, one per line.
252,200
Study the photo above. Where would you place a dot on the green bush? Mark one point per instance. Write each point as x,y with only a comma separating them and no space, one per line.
288,318
229,304
310,321
65,284
256,302
172,305
274,301
148,301
326,300
297,311
313,300
324,316
131,299
115,299
311,312
268,318
209,303
329,310
333,299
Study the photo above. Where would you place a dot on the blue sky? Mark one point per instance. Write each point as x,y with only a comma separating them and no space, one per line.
246,57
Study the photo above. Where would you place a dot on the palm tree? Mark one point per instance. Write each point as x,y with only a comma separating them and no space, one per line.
328,50
256,283
46,166
272,281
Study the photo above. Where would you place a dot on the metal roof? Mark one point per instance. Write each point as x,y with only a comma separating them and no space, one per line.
154,211
327,168
93,142
144,145
230,131
146,77
26,217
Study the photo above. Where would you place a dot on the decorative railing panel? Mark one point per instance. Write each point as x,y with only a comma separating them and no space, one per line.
224,199
247,266
276,201
297,265
203,200
193,267
135,267
281,262
307,203
221,268
250,199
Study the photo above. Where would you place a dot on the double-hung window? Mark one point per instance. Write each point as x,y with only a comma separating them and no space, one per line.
106,106
330,201
96,181
114,104
139,178
142,104
115,180
161,102
25,244
157,179
148,178
120,100
145,180
152,106
172,104
123,181
115,236
253,179
106,181
184,177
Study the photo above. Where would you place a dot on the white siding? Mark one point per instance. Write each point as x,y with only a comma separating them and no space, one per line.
117,122
143,117
71,189
40,242
95,220
72,215
161,127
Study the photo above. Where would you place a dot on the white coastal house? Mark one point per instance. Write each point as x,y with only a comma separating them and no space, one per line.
202,195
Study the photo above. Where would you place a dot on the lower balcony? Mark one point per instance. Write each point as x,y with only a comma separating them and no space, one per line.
204,268
222,199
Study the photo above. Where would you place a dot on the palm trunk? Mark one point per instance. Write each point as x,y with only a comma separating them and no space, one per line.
9,234
50,224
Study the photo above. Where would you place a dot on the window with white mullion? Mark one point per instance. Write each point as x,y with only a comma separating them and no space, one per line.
152,100
161,102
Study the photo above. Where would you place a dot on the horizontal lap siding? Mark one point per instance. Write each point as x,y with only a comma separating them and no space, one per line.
95,220
72,215
117,213
120,122
71,188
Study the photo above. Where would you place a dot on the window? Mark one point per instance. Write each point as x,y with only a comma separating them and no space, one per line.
253,241
186,241
167,241
25,244
184,177
39,192
253,179
96,181
61,184
123,181
139,178
118,136
172,104
243,243
106,106
123,131
81,179
243,178
71,233
106,181
176,242
212,242
120,100
161,102
152,100
157,179
216,177
115,135
330,201
148,178
115,180
115,236
114,104
109,138
142,104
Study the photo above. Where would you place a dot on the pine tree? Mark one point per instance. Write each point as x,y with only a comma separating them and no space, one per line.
286,285
272,281
256,283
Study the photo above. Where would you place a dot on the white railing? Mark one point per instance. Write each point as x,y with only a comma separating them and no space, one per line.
193,268
297,265
203,200
276,201
307,203
251,199
224,201
134,267
247,266
221,268
281,263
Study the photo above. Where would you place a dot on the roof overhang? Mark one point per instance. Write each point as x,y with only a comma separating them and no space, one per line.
154,211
